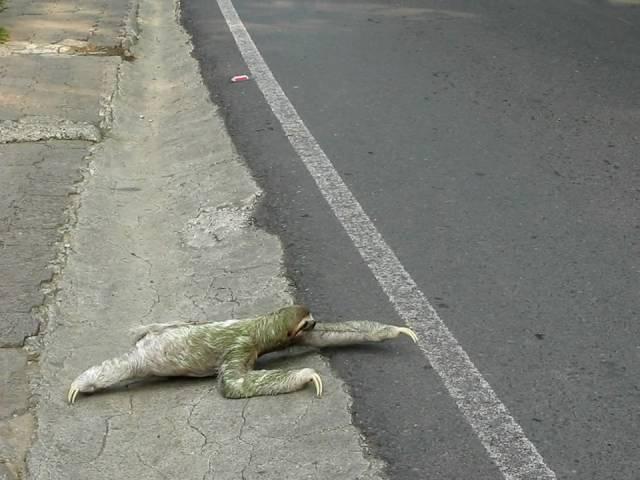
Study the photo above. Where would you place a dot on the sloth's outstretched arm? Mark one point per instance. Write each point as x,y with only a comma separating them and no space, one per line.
349,333
238,380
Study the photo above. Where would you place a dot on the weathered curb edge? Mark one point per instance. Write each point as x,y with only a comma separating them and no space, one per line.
40,128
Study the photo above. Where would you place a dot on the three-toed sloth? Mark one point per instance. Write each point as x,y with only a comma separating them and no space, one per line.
229,350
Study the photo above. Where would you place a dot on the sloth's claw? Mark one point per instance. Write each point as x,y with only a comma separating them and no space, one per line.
73,393
317,382
409,333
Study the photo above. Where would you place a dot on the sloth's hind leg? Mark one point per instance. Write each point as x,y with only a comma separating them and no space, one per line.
111,372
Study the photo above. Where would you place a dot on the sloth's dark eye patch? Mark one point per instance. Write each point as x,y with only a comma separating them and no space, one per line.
308,325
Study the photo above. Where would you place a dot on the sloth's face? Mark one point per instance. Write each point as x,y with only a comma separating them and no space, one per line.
307,323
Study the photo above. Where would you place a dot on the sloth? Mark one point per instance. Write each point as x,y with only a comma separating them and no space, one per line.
229,350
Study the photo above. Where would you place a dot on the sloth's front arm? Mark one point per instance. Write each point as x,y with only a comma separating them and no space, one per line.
237,379
349,333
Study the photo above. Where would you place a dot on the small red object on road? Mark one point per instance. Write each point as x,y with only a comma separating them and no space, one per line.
239,78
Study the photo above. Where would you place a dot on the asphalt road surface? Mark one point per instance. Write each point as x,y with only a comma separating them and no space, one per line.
494,145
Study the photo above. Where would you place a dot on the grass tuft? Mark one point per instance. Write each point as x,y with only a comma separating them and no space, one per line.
4,35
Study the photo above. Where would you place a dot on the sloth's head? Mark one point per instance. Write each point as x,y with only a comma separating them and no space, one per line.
280,328
297,319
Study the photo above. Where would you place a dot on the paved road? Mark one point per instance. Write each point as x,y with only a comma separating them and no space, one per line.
494,145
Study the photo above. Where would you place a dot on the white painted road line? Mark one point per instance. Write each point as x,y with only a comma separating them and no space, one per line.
499,433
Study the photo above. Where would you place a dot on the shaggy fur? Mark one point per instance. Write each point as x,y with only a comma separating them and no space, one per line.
230,349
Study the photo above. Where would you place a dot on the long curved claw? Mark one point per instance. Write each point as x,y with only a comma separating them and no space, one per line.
409,333
317,382
73,393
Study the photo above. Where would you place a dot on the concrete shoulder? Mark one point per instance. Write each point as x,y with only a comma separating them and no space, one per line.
164,233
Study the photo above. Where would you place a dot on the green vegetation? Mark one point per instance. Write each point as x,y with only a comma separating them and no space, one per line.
4,35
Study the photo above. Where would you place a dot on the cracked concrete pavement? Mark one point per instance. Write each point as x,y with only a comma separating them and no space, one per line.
148,222
100,25
50,90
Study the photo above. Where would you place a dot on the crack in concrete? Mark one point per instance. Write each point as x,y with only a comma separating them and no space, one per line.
156,300
103,445
309,433
209,469
49,288
105,436
241,438
130,403
244,420
194,427
196,305
155,469
244,469
231,299
303,414
320,431
14,413
145,260
152,285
